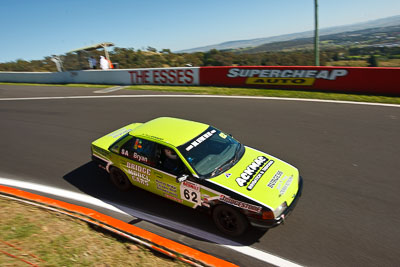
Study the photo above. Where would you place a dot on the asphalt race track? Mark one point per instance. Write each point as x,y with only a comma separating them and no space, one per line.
348,155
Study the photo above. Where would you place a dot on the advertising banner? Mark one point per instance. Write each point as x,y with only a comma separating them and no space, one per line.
339,79
165,76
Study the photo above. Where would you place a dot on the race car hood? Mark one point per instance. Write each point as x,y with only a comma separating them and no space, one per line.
262,178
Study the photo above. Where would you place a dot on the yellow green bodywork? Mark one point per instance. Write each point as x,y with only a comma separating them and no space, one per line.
257,178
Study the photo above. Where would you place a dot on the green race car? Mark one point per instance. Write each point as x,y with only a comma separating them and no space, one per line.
201,167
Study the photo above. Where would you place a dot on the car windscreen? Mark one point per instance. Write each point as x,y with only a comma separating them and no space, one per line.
212,152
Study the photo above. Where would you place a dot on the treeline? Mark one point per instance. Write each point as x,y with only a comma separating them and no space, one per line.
125,58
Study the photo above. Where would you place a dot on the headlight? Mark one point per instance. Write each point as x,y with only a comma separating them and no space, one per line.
279,210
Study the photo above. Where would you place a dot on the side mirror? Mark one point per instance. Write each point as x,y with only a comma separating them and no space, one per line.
182,178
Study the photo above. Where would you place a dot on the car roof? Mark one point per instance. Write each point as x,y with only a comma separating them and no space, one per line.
173,131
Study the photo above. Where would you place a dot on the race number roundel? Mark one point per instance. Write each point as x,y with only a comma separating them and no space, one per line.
191,192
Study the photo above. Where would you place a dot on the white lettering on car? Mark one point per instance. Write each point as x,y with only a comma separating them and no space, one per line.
139,157
286,186
251,169
200,139
259,175
274,179
138,168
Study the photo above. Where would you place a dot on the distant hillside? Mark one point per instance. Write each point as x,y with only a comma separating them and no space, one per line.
379,23
375,37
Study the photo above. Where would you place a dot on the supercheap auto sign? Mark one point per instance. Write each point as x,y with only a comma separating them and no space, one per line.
341,79
284,77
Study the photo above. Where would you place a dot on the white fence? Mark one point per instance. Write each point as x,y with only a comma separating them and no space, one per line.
160,76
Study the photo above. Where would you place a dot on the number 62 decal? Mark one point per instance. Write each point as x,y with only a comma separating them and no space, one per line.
190,192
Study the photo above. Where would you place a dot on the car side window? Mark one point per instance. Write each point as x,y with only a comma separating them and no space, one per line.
140,150
169,161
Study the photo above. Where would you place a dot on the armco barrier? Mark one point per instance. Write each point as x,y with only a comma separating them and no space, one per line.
381,81
337,79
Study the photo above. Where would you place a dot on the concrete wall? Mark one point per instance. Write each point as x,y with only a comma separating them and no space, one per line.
161,76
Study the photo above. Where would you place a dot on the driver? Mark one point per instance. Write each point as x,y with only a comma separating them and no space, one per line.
171,162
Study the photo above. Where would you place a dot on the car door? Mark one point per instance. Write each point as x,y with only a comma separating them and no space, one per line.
186,192
137,159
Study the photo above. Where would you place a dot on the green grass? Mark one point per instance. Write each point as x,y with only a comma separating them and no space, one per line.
208,90
58,240
268,93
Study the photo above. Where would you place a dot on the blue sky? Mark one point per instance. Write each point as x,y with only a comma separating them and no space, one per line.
33,29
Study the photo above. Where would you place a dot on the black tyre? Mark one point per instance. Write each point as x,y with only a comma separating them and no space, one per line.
229,220
120,180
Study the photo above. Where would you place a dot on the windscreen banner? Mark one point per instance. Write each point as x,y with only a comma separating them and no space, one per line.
339,79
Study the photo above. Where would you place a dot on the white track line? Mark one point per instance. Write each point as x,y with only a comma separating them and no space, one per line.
109,89
199,96
65,194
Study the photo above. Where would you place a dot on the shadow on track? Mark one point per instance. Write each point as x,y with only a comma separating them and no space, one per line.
95,182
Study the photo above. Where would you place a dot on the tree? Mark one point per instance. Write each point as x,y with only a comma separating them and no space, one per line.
151,49
372,61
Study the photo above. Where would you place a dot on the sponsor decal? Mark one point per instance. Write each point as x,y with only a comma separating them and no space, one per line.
250,171
140,178
287,181
138,144
169,189
119,133
286,76
239,204
191,185
125,152
191,192
139,157
200,140
154,137
227,175
139,174
173,198
274,179
259,175
138,168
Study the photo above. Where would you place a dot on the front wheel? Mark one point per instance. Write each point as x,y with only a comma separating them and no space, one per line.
229,221
120,180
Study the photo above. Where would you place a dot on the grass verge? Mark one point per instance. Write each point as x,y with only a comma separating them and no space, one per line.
48,238
208,90
268,93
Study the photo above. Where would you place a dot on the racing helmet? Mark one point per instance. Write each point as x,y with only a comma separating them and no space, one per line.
170,153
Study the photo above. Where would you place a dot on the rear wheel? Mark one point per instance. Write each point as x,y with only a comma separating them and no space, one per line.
119,179
229,221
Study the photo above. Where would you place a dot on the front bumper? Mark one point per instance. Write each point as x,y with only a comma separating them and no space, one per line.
260,223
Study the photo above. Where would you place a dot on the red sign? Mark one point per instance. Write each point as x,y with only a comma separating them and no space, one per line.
339,79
